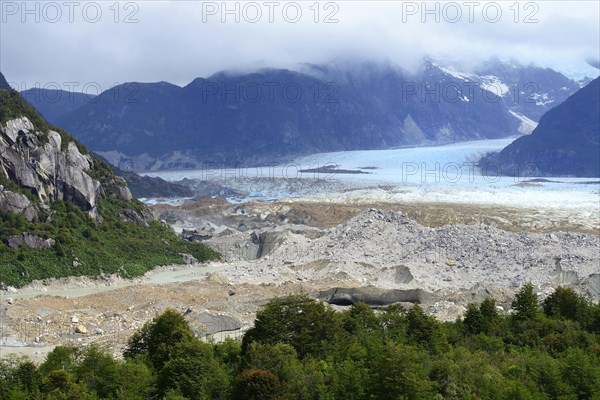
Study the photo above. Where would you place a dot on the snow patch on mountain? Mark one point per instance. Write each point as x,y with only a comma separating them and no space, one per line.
465,76
542,99
493,84
527,125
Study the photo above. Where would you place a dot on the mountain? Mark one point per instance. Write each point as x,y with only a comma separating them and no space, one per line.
53,104
565,143
529,91
274,115
4,84
63,212
142,186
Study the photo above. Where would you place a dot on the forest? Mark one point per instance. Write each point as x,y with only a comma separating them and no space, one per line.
300,348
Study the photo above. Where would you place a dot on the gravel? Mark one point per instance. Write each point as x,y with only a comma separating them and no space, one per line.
391,251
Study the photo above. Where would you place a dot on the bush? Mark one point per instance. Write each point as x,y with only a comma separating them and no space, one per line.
258,384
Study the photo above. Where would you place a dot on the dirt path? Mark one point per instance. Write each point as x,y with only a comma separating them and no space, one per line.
83,286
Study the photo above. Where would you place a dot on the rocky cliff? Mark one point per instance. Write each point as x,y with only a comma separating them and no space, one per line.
63,212
50,170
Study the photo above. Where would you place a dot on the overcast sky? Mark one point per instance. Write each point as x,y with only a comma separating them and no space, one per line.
146,41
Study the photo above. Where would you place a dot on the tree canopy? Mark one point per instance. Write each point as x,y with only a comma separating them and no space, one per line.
301,349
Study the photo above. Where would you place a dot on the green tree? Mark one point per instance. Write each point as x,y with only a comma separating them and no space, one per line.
473,319
482,318
424,329
489,314
194,372
281,359
350,380
60,358
306,324
568,304
28,376
61,385
158,338
582,373
394,322
229,352
360,319
136,380
401,372
99,372
526,303
595,321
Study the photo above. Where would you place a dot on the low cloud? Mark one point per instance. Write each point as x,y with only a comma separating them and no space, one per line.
178,41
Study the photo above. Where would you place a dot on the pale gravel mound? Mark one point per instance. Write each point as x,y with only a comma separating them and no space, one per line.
388,250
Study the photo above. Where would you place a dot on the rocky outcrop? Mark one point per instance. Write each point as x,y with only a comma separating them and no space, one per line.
29,240
17,203
50,169
137,217
217,323
119,187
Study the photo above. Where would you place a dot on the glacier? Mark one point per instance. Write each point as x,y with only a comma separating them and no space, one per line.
436,174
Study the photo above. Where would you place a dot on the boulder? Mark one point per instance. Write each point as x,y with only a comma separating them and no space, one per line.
188,258
17,203
29,240
14,128
119,187
217,278
217,323
136,217
81,329
372,296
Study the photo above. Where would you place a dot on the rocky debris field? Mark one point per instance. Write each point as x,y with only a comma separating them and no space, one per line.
216,215
211,305
391,251
339,254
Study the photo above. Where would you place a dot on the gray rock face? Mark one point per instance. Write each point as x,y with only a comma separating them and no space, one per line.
139,218
218,323
17,203
120,189
29,240
37,162
373,296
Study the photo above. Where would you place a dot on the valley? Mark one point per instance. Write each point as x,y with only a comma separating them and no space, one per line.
280,201
402,225
442,255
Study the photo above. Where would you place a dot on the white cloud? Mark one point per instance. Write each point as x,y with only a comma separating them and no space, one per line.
171,41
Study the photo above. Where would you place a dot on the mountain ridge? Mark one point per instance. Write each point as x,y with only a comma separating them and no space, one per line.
275,115
232,117
565,143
